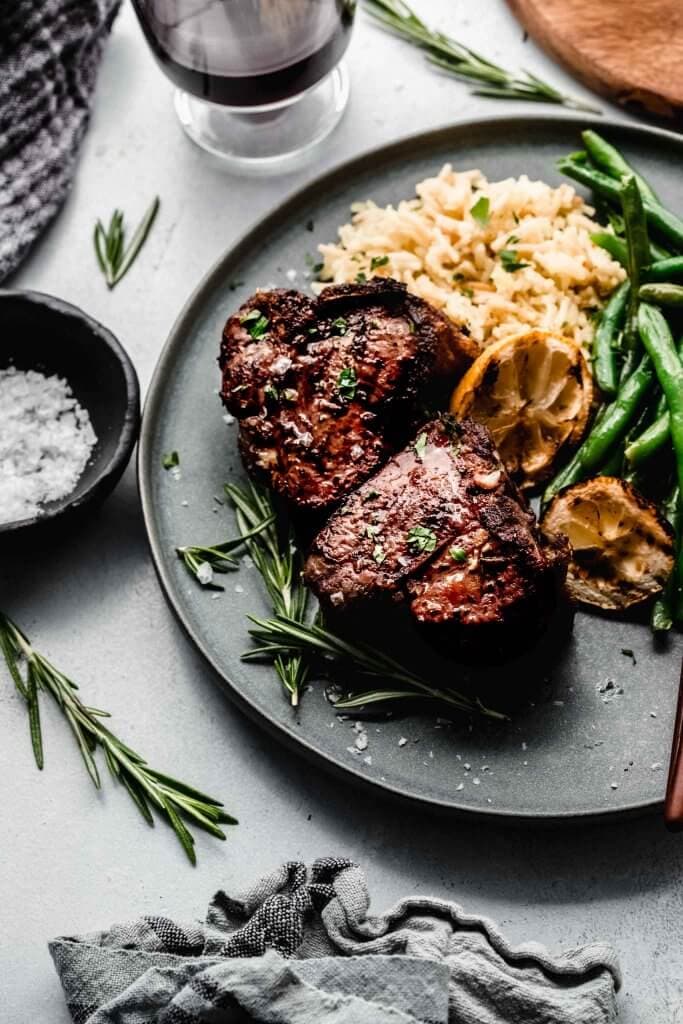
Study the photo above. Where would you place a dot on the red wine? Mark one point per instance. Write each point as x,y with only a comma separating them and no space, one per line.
246,53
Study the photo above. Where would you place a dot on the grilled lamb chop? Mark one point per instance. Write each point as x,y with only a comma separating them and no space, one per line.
442,527
326,390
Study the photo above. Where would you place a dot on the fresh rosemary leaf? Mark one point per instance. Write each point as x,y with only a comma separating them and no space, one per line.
378,261
113,257
280,564
202,562
287,636
170,460
452,56
144,785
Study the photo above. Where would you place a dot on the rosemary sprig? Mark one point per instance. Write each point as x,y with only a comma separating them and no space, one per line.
281,635
280,564
447,53
174,800
203,562
112,255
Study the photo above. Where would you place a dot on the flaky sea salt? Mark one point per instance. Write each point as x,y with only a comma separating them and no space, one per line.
46,439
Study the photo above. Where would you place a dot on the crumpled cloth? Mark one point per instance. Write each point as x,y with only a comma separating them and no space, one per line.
49,55
301,948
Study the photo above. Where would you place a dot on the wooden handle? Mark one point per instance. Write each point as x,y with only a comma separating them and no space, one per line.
673,807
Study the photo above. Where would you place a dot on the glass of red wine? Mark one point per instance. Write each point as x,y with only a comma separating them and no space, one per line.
259,82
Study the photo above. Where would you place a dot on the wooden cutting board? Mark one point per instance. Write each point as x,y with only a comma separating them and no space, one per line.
629,50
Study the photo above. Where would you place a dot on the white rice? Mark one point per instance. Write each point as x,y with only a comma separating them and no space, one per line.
46,439
443,254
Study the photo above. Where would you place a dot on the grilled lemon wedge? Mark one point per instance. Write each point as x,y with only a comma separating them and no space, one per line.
622,548
534,392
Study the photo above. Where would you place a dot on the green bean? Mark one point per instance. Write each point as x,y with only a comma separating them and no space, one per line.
659,345
612,244
609,159
662,294
638,251
604,352
661,618
664,270
650,441
657,216
609,428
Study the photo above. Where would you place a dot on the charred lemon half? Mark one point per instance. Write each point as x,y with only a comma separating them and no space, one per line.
533,391
622,548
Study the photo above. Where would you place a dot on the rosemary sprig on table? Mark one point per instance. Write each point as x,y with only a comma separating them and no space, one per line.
114,258
447,53
281,636
280,564
174,800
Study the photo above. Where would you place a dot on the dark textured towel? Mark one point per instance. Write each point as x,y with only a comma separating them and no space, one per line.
49,55
296,949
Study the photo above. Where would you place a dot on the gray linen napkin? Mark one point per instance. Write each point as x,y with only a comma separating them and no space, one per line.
302,949
49,55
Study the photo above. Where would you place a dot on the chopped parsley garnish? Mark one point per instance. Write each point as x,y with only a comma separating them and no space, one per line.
360,277
421,539
270,391
170,460
513,240
256,321
378,261
313,265
290,394
341,324
371,495
253,314
480,211
371,531
420,445
458,276
347,383
411,327
378,554
508,257
468,292
458,554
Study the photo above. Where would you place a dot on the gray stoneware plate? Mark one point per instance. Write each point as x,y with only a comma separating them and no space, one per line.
595,742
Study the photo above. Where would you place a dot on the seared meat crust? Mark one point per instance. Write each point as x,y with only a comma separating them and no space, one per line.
325,390
443,527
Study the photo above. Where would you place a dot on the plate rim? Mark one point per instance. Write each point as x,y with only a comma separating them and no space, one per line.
286,734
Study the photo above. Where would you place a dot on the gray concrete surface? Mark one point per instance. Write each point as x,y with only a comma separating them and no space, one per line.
74,859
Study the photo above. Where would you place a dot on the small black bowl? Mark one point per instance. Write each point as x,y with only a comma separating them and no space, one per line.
39,332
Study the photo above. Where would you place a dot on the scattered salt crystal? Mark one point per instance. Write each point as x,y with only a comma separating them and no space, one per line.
558,703
431,754
467,766
239,589
185,504
657,766
175,473
362,741
353,750
614,785
227,418
653,714
476,781
214,597
460,786
525,763
46,440
402,742
204,573
291,274
358,727
367,760
524,746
